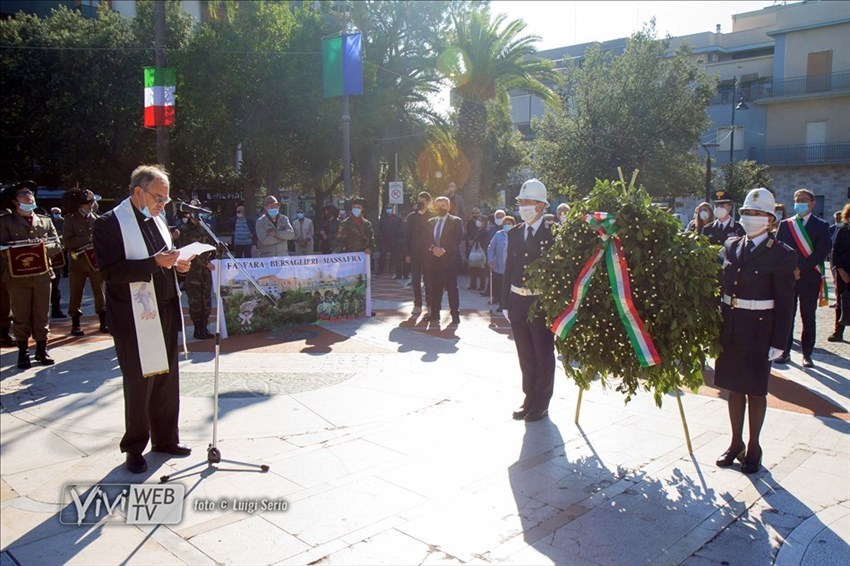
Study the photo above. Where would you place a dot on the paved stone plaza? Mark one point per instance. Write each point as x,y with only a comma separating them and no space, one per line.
392,443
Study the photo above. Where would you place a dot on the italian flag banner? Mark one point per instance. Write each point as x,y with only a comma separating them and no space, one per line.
159,96
804,246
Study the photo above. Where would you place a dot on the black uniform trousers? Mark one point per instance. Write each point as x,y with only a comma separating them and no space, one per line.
152,404
806,295
418,276
443,277
535,346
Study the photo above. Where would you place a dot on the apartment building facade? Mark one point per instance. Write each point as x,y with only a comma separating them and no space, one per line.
786,71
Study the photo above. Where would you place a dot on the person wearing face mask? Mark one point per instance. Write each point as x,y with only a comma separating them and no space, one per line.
59,263
416,239
59,222
139,264
841,272
445,233
199,280
303,228
758,309
355,233
26,271
497,254
808,235
535,343
724,226
703,216
274,230
328,229
474,226
244,233
561,212
77,233
492,227
390,240
458,206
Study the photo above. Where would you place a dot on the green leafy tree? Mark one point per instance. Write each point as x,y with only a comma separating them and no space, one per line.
504,151
742,176
495,58
641,110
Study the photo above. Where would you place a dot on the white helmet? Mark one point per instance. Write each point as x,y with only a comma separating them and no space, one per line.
533,190
760,199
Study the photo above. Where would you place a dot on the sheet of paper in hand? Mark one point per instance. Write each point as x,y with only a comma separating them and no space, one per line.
195,248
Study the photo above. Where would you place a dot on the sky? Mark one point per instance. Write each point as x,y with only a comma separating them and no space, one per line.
562,23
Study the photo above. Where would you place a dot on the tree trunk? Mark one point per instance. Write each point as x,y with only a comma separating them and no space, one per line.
369,184
472,190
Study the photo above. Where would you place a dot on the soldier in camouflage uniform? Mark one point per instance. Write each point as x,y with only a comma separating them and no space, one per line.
355,233
199,277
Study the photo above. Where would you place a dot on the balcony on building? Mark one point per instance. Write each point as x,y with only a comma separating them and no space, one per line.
803,154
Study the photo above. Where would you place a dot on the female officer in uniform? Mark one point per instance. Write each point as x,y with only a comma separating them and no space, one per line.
757,307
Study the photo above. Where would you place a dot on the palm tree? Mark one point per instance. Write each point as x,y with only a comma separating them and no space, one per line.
495,60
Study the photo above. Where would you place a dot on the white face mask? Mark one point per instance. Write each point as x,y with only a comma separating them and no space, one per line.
720,212
703,214
754,225
478,224
527,213
499,221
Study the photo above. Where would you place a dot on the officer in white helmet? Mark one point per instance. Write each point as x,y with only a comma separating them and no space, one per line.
758,308
535,342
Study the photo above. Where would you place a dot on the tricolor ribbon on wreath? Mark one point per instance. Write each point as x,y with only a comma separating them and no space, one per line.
618,276
804,245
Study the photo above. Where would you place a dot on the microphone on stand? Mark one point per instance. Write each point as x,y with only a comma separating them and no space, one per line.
186,207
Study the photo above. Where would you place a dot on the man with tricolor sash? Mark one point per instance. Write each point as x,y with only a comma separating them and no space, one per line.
808,235
535,343
138,261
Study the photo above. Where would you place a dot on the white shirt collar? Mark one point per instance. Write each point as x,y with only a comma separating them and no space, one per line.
535,225
757,240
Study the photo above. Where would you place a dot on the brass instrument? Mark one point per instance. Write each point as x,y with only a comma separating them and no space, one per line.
28,243
80,251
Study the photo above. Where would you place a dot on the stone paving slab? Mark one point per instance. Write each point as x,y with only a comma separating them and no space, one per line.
399,449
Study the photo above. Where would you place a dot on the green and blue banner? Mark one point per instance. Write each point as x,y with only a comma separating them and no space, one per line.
342,68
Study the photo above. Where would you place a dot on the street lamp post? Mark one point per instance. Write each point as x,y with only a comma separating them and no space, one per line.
739,104
706,147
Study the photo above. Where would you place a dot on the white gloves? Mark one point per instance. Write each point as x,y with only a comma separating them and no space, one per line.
505,314
774,353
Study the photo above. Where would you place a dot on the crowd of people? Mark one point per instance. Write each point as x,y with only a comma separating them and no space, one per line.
772,265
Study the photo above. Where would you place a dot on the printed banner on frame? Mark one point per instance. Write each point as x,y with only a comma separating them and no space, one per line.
306,290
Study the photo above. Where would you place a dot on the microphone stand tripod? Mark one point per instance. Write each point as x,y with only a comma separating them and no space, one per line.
213,453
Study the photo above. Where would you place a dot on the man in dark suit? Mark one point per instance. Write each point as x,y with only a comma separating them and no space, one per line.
443,259
535,342
808,235
417,238
133,247
724,226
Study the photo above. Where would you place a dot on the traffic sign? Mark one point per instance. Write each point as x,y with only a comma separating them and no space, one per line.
396,192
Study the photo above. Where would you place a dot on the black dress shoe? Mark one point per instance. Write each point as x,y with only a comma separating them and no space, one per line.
173,449
807,362
784,360
455,321
750,465
519,414
835,337
728,458
536,416
136,463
